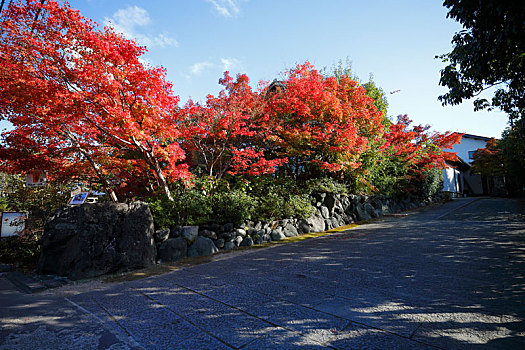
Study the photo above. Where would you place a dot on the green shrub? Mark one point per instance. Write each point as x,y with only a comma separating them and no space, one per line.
189,207
38,203
432,183
22,251
278,206
325,185
233,206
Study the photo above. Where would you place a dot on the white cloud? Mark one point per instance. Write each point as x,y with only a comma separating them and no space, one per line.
229,63
127,21
226,8
222,65
199,67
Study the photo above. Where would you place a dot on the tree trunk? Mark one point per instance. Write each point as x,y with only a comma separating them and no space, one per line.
94,165
101,176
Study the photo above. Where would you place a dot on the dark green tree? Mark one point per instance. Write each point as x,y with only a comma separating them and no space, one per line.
488,52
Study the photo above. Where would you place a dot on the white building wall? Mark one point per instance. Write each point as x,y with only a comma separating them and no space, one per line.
450,183
464,182
467,145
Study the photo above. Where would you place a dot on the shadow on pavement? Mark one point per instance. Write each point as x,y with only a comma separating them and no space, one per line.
427,280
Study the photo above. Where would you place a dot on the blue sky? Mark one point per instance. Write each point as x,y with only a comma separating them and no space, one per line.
196,40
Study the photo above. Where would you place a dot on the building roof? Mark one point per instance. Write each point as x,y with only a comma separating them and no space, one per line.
476,137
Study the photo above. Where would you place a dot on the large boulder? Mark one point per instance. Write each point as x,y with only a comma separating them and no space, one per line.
278,234
190,233
289,230
246,242
172,249
303,226
202,246
316,223
93,239
361,213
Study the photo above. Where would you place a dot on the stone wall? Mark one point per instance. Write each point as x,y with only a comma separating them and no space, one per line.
331,211
94,239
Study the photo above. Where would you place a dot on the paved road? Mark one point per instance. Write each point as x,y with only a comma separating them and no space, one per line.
447,277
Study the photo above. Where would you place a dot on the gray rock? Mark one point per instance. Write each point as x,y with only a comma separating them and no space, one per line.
266,237
303,226
284,222
258,239
289,230
229,245
107,237
369,209
227,227
348,219
316,223
162,235
246,242
339,208
240,232
361,213
350,209
345,202
354,199
219,243
277,235
190,233
325,212
227,236
172,249
202,246
237,240
208,234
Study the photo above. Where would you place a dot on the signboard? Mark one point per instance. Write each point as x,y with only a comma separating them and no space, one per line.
79,198
36,178
76,191
12,223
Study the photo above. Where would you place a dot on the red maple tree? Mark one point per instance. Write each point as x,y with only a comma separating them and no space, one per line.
321,122
66,83
227,133
416,147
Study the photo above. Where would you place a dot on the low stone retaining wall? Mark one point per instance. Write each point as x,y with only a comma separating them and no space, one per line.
94,239
331,211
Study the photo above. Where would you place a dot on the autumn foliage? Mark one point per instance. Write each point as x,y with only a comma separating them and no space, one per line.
84,106
84,94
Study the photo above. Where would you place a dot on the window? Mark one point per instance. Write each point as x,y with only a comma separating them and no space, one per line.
471,154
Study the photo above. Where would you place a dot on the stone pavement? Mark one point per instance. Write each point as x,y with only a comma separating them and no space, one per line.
450,276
